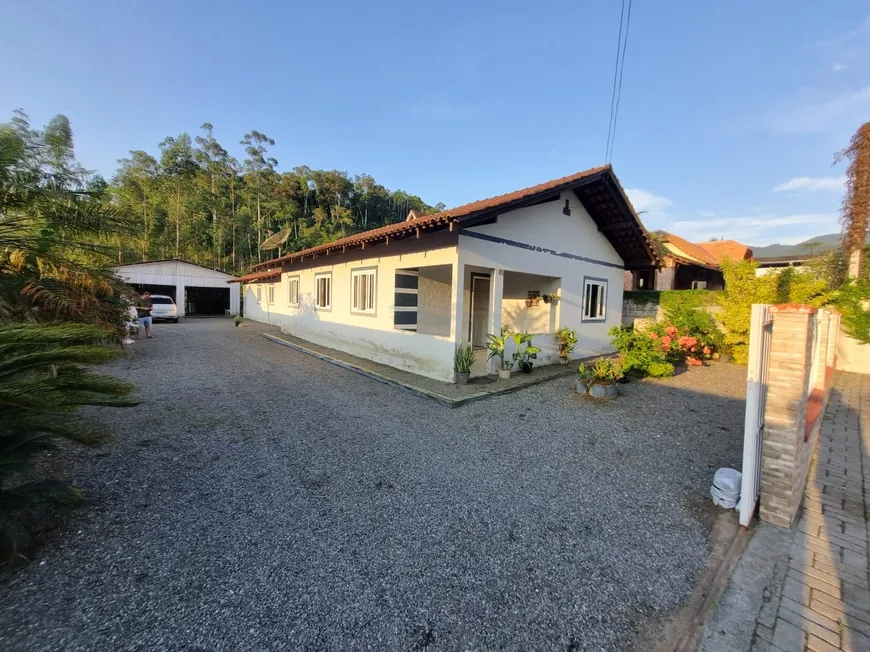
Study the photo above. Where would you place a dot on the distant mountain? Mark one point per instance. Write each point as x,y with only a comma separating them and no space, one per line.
818,245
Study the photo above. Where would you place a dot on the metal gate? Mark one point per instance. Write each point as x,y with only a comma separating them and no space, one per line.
760,332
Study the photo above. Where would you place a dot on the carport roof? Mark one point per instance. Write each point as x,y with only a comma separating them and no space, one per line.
598,190
174,260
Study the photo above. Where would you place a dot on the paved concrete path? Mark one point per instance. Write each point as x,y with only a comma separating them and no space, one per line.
824,602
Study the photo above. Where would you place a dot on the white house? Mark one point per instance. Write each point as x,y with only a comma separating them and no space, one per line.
195,289
408,294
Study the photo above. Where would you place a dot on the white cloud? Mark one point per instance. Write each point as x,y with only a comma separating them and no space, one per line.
758,229
643,200
839,67
812,183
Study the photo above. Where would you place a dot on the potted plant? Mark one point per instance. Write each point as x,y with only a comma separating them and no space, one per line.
567,339
525,352
462,362
551,297
238,321
496,346
534,298
599,380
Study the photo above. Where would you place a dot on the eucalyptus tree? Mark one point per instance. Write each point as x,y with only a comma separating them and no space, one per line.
260,169
178,173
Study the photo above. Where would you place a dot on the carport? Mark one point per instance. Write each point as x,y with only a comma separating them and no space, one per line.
197,290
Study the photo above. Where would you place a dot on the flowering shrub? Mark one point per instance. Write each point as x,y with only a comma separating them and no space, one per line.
679,345
656,351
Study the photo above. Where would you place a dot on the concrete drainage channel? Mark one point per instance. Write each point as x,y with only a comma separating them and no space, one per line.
419,391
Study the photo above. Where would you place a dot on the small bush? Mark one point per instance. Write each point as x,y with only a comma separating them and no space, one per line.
637,350
660,369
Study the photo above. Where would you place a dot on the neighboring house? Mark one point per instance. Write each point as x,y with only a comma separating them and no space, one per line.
687,265
776,263
194,288
408,294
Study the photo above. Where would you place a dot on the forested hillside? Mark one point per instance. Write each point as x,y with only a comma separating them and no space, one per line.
192,198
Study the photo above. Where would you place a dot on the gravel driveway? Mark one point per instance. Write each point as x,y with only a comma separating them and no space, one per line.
261,499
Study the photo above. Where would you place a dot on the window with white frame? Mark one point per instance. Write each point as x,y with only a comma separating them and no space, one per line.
259,293
362,290
270,293
594,299
293,290
323,291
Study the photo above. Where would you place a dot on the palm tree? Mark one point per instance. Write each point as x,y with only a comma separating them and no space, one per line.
56,234
44,381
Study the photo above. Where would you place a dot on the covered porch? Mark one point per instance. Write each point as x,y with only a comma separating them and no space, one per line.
466,302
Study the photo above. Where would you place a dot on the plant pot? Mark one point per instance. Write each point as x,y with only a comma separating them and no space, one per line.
526,367
599,390
504,374
581,387
462,378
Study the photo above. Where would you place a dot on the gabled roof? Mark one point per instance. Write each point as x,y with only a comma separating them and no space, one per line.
598,189
172,260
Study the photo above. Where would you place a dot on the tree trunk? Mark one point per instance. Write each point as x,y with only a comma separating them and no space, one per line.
177,222
259,228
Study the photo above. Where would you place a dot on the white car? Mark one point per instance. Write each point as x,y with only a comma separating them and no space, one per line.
164,308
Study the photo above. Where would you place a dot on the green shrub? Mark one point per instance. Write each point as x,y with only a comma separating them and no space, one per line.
697,323
637,350
660,369
851,302
671,299
743,288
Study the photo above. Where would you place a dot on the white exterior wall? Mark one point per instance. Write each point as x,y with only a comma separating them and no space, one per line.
545,226
180,275
373,337
852,355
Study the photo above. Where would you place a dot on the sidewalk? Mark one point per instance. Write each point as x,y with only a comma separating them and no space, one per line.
817,595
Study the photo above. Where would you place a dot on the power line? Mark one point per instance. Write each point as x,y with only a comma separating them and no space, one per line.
620,66
621,70
613,93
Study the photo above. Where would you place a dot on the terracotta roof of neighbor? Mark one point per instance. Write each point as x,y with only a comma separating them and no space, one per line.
597,188
257,277
706,254
685,251
726,249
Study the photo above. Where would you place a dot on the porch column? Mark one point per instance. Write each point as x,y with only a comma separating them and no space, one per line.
457,301
179,300
496,294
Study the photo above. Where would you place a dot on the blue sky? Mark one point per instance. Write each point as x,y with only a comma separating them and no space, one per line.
729,116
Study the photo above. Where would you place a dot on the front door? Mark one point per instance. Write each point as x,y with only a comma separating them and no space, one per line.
479,310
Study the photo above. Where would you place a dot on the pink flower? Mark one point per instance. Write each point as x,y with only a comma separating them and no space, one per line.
707,350
666,341
693,361
653,336
671,330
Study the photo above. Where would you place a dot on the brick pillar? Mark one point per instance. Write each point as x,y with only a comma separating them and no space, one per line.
785,457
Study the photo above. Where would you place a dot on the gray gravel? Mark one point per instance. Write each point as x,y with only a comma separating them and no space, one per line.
264,500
